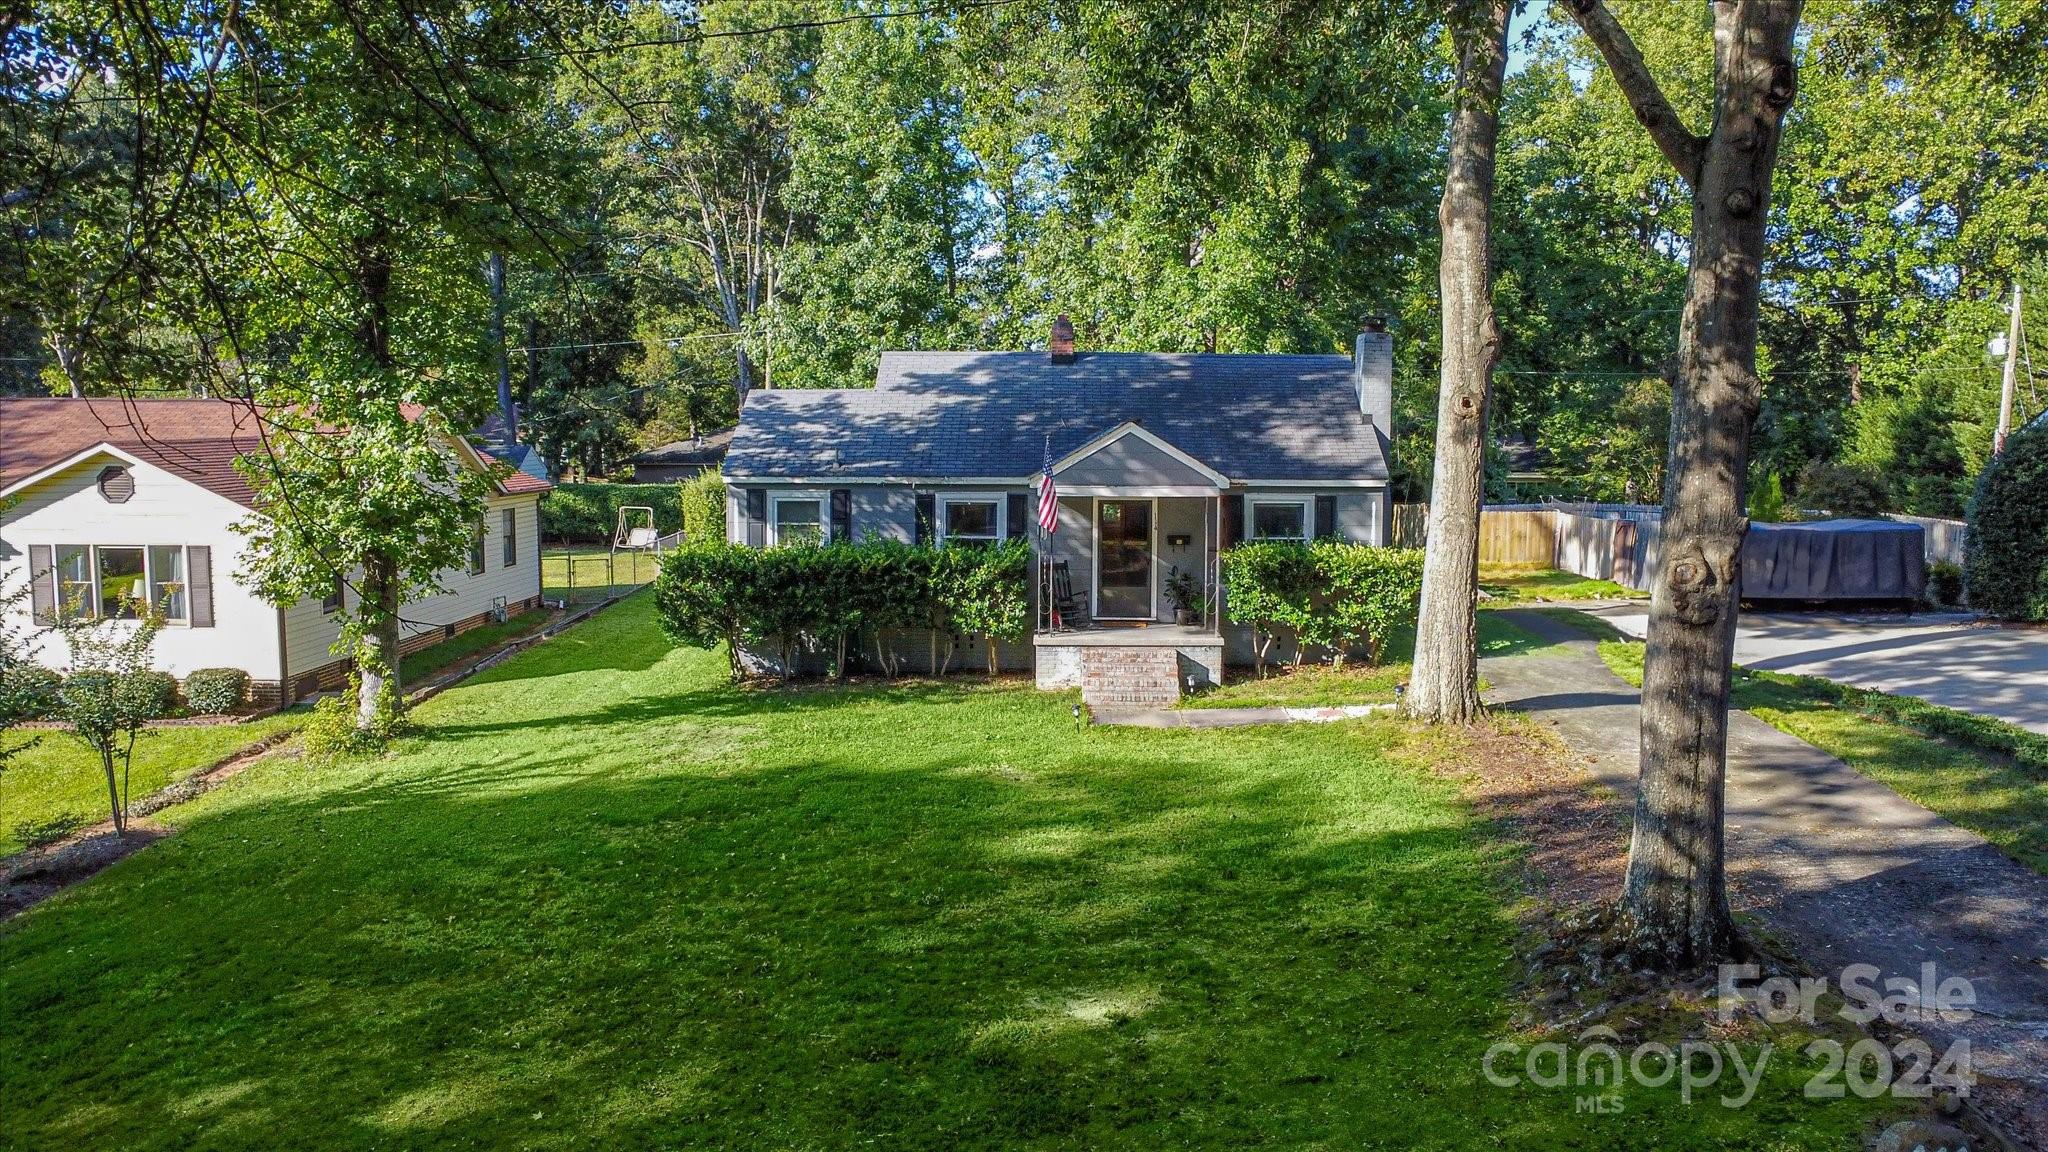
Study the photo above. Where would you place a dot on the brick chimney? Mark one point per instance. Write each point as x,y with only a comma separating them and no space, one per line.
1062,346
1372,374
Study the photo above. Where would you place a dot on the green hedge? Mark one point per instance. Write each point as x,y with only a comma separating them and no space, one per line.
213,691
2006,553
1327,595
703,508
837,598
588,513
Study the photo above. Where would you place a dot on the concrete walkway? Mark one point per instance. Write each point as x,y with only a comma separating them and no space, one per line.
1231,717
1838,866
1995,670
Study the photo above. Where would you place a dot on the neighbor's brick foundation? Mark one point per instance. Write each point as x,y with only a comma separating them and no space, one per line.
335,674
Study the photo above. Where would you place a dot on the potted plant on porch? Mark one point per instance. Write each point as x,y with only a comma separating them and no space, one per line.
1185,595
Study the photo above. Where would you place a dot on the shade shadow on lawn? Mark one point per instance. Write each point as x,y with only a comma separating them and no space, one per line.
645,910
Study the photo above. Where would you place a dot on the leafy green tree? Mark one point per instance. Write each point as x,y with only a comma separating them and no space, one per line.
2007,547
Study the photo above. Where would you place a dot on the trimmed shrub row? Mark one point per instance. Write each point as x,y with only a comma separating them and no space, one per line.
208,691
588,513
837,598
1329,595
703,508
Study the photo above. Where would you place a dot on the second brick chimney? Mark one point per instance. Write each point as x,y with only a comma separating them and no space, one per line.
1062,346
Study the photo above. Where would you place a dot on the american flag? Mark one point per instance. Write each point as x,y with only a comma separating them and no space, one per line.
1048,496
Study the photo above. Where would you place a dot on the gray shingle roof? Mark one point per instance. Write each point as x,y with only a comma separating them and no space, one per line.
986,414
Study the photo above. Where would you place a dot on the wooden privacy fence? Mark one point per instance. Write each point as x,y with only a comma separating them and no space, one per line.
1615,542
1508,537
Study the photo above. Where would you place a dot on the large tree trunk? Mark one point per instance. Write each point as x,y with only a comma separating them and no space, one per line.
1444,686
377,655
1675,897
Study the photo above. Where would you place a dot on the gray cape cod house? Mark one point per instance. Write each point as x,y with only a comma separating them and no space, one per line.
1160,461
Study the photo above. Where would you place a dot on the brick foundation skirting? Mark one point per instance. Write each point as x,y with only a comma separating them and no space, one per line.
334,675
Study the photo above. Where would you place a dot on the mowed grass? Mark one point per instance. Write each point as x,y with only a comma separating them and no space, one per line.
1510,587
58,785
1987,776
1320,685
580,573
427,661
608,901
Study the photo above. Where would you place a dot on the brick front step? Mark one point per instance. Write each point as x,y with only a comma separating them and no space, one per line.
1130,677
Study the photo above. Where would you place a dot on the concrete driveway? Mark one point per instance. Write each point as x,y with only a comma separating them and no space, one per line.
1997,670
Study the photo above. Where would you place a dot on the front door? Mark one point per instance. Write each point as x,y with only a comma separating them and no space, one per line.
1123,549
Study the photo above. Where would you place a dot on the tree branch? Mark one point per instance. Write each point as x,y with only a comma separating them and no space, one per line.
1679,145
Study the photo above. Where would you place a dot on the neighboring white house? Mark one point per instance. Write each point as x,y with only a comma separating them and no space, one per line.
107,498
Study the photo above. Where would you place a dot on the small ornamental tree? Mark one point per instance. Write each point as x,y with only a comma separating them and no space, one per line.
1366,595
112,693
1266,587
2006,553
990,595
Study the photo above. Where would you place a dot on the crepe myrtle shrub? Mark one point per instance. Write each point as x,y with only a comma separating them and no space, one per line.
986,592
112,693
2006,550
1362,596
809,598
1268,584
1330,595
213,691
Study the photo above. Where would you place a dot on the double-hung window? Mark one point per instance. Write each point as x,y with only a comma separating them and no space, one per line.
476,552
508,521
119,581
1277,519
797,518
167,590
970,518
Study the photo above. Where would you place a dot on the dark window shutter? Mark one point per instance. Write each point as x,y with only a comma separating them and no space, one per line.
757,518
199,576
842,514
1326,517
927,512
1233,520
1019,516
42,575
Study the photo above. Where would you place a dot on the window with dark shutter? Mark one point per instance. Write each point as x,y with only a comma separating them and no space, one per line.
927,514
1019,515
842,514
42,575
757,517
199,571
508,521
1326,517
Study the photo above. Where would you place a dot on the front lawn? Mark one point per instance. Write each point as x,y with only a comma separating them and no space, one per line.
58,785
1988,776
609,901
1514,587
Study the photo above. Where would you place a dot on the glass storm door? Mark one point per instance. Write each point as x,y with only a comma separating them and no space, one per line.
1123,582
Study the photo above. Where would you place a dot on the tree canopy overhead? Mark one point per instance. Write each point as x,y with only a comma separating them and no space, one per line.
696,200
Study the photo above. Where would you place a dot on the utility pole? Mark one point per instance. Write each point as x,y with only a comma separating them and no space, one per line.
2012,360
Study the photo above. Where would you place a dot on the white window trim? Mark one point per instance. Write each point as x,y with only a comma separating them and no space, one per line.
1000,499
1308,516
149,580
800,496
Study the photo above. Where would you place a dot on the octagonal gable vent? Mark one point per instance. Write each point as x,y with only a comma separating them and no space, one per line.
117,484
